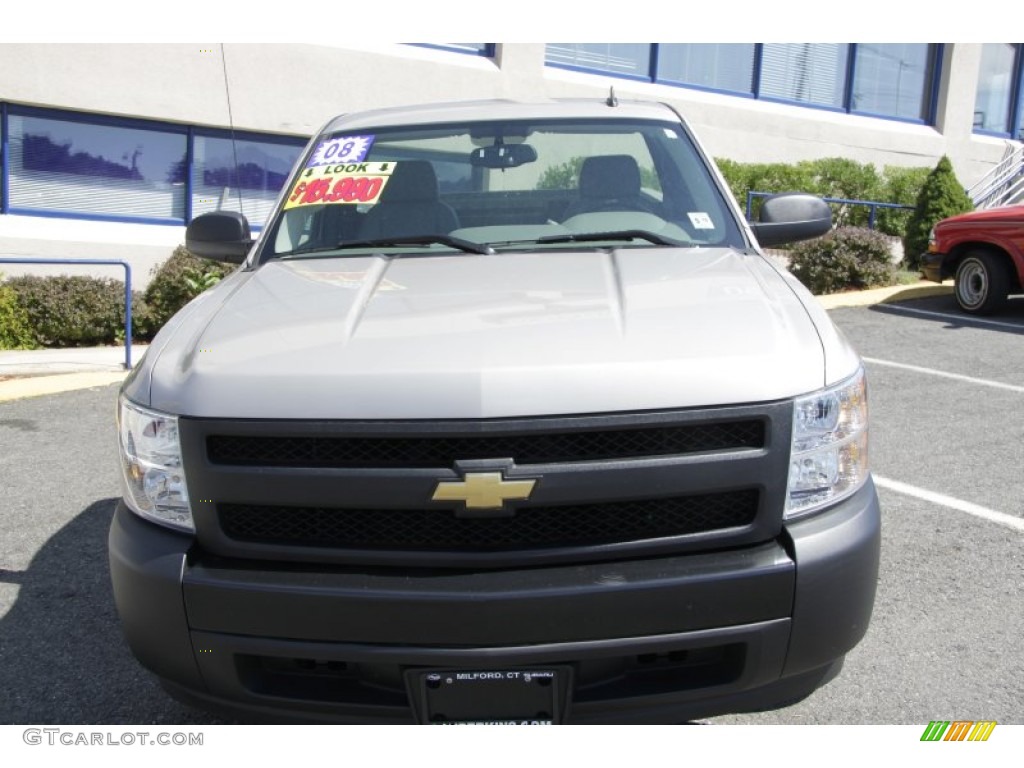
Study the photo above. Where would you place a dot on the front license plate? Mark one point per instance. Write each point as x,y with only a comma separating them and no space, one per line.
490,697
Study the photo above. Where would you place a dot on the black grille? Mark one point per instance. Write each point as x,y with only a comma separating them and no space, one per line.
435,452
529,528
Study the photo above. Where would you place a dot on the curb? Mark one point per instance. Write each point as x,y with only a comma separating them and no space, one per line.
888,295
33,385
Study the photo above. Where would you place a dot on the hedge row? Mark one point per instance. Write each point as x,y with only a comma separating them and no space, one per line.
67,311
836,177
86,311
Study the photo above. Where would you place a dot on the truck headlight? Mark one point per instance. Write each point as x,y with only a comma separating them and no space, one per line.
829,456
153,477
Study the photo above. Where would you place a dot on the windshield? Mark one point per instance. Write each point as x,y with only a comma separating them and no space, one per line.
502,185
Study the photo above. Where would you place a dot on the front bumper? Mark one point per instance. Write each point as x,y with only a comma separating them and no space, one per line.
655,640
932,265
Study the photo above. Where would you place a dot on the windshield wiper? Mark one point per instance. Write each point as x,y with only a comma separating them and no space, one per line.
468,246
304,250
621,234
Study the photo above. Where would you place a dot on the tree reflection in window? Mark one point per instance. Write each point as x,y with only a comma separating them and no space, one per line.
41,153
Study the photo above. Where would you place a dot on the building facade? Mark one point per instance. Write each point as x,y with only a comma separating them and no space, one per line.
108,150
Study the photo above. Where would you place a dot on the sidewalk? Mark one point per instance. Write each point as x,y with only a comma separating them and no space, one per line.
34,362
28,373
33,372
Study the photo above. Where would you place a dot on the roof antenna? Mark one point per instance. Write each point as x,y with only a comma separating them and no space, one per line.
612,100
231,124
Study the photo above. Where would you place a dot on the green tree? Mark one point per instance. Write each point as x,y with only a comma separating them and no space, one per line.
563,176
567,176
941,196
900,185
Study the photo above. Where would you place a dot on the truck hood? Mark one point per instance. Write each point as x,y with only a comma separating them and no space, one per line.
472,336
1008,213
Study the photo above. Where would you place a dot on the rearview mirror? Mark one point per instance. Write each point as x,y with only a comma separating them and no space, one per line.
503,156
790,217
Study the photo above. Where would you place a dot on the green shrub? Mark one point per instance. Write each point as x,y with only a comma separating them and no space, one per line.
143,326
844,259
71,311
15,328
899,185
834,177
763,177
839,177
737,177
942,195
175,283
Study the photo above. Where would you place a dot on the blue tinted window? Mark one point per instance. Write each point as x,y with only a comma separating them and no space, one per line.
893,79
1020,98
722,66
96,168
480,49
262,170
617,58
994,98
484,49
810,73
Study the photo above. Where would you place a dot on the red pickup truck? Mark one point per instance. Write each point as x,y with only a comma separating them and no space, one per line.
984,252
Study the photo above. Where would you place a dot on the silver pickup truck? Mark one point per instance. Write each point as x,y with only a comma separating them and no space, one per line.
504,417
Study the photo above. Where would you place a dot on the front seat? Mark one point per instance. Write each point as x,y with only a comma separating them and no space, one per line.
409,205
608,183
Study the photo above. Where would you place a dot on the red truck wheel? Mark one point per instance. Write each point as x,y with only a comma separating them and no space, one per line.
982,283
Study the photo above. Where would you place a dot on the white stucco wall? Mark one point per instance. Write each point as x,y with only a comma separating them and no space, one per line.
143,246
293,89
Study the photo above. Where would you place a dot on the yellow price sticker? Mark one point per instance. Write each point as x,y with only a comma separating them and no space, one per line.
351,183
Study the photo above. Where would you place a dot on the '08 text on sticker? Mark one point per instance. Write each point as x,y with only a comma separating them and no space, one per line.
344,149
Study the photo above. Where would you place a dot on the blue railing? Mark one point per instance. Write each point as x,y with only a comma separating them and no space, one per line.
127,292
872,204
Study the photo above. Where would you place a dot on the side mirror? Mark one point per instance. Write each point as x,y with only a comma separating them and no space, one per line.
221,235
790,217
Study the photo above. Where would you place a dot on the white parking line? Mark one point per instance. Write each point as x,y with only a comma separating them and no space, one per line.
960,319
991,515
945,374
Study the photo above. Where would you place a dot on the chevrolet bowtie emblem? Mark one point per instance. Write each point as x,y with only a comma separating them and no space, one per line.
483,490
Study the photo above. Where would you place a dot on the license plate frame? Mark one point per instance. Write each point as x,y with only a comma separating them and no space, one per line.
505,696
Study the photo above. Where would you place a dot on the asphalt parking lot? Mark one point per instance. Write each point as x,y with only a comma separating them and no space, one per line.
946,398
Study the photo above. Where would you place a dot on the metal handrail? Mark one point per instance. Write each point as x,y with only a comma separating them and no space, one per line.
1015,190
872,204
998,184
127,291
